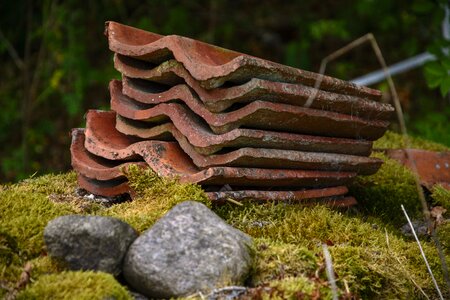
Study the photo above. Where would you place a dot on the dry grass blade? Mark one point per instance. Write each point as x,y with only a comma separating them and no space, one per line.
403,267
330,271
401,119
423,253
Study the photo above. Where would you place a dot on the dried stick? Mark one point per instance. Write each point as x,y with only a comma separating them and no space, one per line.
398,108
329,58
423,253
231,200
330,272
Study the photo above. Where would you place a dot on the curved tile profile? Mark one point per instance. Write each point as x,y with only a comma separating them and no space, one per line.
106,188
206,143
267,158
99,124
258,114
156,84
168,159
95,167
212,65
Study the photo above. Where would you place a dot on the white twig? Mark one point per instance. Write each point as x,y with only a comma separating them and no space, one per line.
423,253
401,119
403,267
330,271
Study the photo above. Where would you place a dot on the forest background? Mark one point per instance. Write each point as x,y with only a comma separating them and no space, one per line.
55,62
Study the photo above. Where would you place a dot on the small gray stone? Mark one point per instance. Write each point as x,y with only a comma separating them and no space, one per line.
89,242
420,227
188,250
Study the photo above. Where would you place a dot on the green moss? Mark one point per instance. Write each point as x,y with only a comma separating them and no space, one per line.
382,194
75,285
154,197
25,210
44,265
275,260
392,140
9,250
441,196
288,255
373,263
443,232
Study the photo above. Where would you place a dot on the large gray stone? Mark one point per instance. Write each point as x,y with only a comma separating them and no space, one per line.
188,250
89,242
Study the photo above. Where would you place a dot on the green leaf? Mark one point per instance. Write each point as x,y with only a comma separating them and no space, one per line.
433,79
446,63
445,86
435,68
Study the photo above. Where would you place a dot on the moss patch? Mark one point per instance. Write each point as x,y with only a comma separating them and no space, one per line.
25,210
75,285
382,194
154,197
392,140
288,259
441,196
371,262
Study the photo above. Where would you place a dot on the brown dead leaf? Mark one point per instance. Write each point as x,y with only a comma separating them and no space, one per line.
25,276
437,213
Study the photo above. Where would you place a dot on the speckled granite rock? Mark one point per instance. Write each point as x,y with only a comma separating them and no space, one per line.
188,250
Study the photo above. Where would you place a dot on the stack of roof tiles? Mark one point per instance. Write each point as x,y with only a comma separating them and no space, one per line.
220,118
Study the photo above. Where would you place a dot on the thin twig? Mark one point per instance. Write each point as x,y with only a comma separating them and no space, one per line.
229,199
413,166
401,119
347,289
330,271
423,253
403,267
329,58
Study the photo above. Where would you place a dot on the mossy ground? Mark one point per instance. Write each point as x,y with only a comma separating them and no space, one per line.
372,259
76,285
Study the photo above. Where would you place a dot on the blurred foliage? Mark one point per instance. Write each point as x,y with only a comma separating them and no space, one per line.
56,63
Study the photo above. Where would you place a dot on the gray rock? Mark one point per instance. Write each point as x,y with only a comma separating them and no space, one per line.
89,242
188,250
420,227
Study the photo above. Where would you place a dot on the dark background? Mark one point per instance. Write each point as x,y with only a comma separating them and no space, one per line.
55,62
